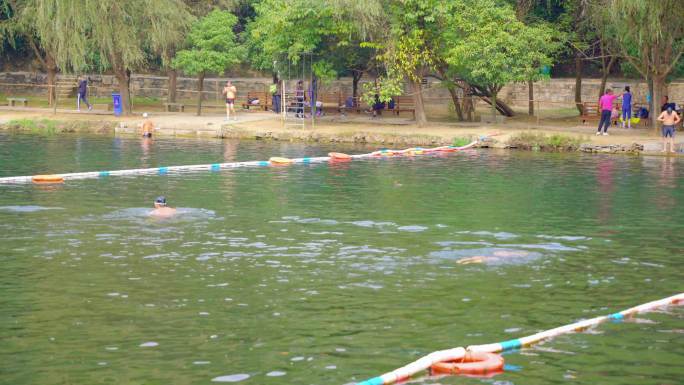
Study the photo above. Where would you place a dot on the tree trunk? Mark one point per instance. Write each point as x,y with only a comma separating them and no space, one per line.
468,102
123,79
530,106
51,68
658,93
421,119
651,103
173,84
128,90
503,108
452,91
356,77
456,101
200,88
493,97
604,76
578,82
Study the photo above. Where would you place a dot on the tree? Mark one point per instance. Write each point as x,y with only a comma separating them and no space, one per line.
42,26
493,48
650,36
118,32
282,31
198,8
212,47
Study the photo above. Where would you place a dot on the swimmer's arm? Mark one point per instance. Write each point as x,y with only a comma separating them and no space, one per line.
661,117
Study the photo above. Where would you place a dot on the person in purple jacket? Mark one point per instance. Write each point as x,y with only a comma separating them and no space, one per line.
82,91
606,106
627,108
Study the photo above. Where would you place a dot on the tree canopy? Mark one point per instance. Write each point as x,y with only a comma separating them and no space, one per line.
211,47
473,46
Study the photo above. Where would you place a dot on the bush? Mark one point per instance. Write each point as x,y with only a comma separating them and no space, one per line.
462,141
541,142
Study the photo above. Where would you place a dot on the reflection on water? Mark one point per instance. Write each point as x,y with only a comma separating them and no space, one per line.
333,273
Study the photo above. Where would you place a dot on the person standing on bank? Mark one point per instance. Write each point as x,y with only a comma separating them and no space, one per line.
230,91
627,108
82,91
670,118
606,106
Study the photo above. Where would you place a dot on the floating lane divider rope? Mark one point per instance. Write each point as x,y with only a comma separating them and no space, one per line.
274,161
481,358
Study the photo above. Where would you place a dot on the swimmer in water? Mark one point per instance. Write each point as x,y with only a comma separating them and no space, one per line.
496,256
147,126
161,210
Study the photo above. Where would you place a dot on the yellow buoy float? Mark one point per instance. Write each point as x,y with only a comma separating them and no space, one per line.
276,160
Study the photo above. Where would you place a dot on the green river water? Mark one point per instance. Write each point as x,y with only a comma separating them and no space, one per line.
333,273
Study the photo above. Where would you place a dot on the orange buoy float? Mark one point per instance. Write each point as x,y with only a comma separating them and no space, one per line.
276,160
47,179
339,157
473,363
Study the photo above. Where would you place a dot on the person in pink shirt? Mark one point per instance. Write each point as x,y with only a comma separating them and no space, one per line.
606,106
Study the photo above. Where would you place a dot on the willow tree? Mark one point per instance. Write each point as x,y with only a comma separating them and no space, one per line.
650,35
212,47
45,27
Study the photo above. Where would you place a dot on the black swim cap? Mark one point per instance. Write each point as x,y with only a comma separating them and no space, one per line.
160,200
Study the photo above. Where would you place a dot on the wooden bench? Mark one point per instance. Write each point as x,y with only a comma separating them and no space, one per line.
177,106
332,101
591,111
13,101
263,97
404,104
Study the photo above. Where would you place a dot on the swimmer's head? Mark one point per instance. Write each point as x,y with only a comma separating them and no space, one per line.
609,91
145,114
160,202
670,109
627,89
229,83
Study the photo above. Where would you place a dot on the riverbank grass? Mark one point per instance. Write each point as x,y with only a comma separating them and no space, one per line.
542,142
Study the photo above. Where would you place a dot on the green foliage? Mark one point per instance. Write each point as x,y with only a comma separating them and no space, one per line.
492,48
542,142
461,141
282,31
43,126
290,28
649,33
212,45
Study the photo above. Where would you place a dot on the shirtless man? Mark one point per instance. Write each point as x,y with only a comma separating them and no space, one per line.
161,210
670,118
230,91
147,126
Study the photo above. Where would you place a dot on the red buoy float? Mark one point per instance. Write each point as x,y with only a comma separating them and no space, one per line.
339,157
473,363
47,179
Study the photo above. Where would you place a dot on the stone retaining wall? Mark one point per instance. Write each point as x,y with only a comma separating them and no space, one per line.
554,93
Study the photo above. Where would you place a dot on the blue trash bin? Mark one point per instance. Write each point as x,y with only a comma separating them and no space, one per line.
118,108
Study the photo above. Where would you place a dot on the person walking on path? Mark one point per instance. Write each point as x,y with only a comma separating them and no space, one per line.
606,106
230,91
670,118
82,91
627,108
